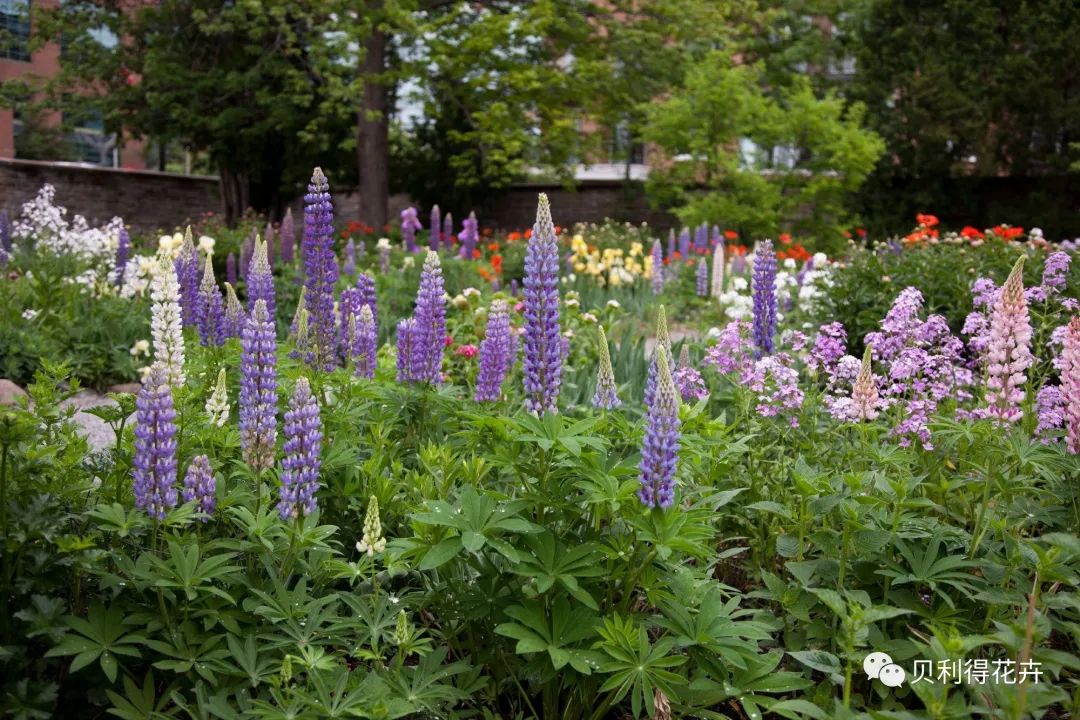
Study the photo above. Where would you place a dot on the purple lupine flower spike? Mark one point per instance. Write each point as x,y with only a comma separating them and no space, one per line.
258,389
260,280
235,317
543,339
513,287
5,232
188,275
268,238
660,449
407,350
431,320
212,330
199,486
671,245
717,238
321,272
349,266
366,285
684,244
1069,367
154,465
409,225
123,253
436,228
470,235
688,380
230,269
657,268
495,354
365,344
606,396
702,277
348,310
1055,271
303,444
287,235
247,251
1010,348
763,286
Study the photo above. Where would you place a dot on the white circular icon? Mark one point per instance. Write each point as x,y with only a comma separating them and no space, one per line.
892,675
874,662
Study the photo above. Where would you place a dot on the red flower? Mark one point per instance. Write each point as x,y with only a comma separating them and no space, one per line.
476,254
926,220
514,236
971,233
731,234
785,238
448,340
466,351
528,233
860,232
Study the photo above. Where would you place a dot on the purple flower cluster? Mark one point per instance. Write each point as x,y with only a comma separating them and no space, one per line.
923,363
211,320
684,244
688,380
230,269
763,287
1068,365
1056,270
235,317
829,346
436,228
543,343
657,269
366,285
430,332
260,279
470,235
671,245
408,352
776,384
365,343
303,444
448,229
199,486
154,465
5,233
320,270
702,277
660,449
258,389
662,347
496,354
731,353
1050,410
409,225
606,396
187,273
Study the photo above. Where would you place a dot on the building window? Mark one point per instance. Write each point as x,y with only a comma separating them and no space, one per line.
15,30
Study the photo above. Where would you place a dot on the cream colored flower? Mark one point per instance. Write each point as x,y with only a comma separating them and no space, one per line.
206,244
140,348
373,541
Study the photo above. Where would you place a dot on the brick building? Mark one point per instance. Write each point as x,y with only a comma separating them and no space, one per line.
86,142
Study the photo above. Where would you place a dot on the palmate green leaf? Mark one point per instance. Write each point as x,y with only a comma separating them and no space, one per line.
636,666
442,553
139,702
822,661
100,637
560,635
550,562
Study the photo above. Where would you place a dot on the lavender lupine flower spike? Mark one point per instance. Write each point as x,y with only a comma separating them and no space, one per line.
657,268
247,253
321,271
258,390
349,266
702,278
123,253
763,286
431,320
409,225
199,486
684,244
268,238
448,229
436,228
187,273
663,347
235,317
260,279
230,269
348,309
469,236
1010,348
1069,368
211,319
688,380
660,450
606,396
366,285
365,344
495,354
671,246
303,443
543,343
5,232
287,234
154,466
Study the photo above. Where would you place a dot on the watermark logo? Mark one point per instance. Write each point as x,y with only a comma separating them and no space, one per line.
879,666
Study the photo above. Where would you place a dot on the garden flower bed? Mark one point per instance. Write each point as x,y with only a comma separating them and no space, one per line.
583,473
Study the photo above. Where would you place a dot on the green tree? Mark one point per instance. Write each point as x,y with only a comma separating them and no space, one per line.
755,158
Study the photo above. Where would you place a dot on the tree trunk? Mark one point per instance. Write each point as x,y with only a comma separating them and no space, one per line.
234,194
373,123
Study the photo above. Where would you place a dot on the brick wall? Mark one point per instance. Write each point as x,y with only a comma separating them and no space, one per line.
146,200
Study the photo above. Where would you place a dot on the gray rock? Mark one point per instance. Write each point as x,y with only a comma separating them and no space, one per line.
97,432
10,392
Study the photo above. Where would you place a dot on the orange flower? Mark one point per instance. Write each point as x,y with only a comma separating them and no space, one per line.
926,220
528,233
485,273
493,247
731,234
476,254
971,233
496,263
514,236
785,238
